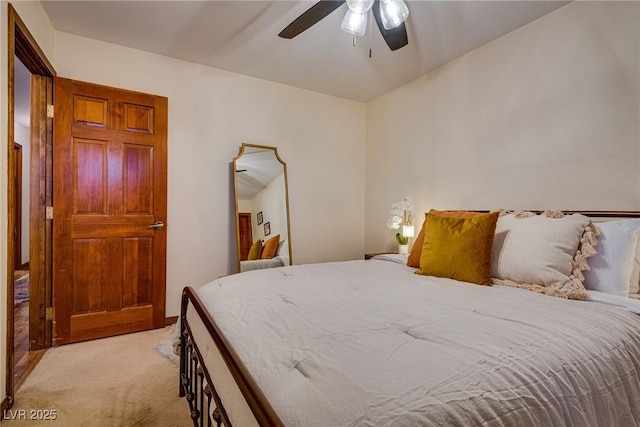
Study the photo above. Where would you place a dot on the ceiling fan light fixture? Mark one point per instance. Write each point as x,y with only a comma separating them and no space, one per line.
360,6
354,23
393,13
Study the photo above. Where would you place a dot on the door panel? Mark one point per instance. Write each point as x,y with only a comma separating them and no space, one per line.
138,118
89,111
109,187
89,275
138,283
138,179
90,181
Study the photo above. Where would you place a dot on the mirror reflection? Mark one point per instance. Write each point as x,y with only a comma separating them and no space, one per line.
262,208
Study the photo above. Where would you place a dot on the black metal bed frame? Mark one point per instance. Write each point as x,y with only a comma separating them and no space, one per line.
195,380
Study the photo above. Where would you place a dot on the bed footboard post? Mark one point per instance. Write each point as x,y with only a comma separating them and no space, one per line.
182,382
194,386
195,380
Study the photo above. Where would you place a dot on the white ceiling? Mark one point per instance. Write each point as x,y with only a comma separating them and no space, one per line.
242,36
255,170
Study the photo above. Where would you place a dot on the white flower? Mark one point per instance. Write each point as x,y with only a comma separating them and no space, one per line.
392,225
394,222
399,212
403,205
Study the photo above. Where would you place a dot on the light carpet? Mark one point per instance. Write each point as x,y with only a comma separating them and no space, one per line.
119,381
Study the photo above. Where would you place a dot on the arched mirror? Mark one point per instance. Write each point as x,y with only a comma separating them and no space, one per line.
263,232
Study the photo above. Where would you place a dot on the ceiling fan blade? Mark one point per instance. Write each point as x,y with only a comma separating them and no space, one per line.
395,37
312,16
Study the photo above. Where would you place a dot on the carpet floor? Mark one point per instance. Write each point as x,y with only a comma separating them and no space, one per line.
111,382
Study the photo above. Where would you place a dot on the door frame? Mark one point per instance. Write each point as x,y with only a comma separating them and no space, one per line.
23,45
245,231
17,209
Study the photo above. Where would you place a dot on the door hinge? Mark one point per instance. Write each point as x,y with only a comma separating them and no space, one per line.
49,212
50,111
49,313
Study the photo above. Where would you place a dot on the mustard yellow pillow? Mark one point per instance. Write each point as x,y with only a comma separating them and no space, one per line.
256,250
416,250
459,248
270,247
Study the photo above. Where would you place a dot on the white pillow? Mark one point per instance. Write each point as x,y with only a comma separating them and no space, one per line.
283,251
544,253
634,287
611,269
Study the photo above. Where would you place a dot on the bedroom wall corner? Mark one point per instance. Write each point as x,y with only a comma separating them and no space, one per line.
543,117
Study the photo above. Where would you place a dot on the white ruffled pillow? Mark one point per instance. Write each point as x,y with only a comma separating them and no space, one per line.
544,253
612,268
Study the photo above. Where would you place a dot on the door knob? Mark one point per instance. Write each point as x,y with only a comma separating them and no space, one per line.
158,225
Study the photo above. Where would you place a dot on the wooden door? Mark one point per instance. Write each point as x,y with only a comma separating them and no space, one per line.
110,182
246,237
17,209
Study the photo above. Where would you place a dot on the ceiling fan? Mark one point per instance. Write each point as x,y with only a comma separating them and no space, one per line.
389,15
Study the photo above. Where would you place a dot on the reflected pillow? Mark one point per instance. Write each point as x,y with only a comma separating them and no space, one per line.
458,248
270,247
256,250
416,249
612,267
283,250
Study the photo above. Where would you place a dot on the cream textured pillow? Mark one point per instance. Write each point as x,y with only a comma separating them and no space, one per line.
544,253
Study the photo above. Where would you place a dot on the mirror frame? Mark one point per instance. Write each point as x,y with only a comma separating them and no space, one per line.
243,147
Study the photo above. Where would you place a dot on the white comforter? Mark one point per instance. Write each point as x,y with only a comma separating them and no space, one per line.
369,343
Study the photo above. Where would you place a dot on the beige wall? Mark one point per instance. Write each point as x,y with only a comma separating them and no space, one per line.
211,112
547,116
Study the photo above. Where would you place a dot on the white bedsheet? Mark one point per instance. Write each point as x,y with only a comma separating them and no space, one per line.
629,304
369,343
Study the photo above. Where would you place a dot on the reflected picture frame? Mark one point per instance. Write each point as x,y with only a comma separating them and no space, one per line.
259,217
267,228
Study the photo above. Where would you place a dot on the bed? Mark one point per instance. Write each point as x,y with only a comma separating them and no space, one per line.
260,264
371,343
280,259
